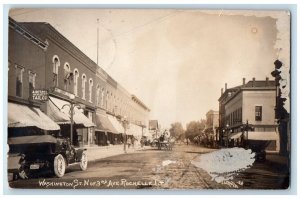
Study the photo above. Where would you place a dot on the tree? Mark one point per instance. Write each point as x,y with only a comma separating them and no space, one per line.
176,130
281,113
195,128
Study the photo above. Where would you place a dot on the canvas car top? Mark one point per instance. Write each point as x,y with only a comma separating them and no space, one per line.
32,139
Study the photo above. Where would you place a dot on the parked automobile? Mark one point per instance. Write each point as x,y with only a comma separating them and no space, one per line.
31,154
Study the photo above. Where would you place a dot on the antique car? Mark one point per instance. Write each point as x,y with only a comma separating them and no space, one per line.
29,155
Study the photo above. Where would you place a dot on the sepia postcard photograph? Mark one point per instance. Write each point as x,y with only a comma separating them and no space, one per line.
153,99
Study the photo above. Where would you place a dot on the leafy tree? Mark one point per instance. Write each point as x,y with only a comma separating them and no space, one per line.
195,128
176,130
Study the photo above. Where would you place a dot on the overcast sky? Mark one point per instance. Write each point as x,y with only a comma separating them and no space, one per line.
175,61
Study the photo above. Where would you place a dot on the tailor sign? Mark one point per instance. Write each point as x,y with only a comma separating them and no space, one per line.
40,95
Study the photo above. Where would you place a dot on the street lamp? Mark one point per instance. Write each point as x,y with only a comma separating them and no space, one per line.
125,125
227,130
72,105
245,128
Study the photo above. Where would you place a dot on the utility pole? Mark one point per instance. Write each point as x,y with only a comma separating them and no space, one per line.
98,42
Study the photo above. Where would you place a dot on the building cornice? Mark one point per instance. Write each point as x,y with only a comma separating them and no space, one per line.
27,34
250,89
68,46
139,102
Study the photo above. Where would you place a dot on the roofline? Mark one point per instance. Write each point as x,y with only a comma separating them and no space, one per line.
27,34
250,89
138,101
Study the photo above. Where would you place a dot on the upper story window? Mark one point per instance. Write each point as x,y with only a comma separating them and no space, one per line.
258,113
67,73
56,64
19,81
31,78
102,97
76,75
107,99
98,95
83,81
90,89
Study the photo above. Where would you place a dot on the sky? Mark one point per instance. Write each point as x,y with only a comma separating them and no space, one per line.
175,61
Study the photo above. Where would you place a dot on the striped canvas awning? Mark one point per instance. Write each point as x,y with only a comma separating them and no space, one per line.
117,125
257,135
103,124
235,135
78,117
56,115
24,116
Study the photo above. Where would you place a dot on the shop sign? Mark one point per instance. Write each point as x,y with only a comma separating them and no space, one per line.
65,93
40,95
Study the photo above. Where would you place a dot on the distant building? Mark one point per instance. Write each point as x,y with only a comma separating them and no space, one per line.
249,105
154,128
212,124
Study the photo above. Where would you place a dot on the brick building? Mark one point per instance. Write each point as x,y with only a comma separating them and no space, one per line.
42,58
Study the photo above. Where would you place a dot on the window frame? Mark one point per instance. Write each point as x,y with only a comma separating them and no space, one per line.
31,76
75,86
55,69
22,69
258,112
91,84
83,85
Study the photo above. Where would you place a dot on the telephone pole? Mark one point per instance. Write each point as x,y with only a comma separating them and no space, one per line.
98,42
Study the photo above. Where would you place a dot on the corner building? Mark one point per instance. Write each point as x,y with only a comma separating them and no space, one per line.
246,112
101,105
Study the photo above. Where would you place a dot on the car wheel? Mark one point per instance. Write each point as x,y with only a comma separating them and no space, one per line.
59,165
23,173
84,161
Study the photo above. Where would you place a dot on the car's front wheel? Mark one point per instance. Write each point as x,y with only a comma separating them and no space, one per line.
59,165
83,162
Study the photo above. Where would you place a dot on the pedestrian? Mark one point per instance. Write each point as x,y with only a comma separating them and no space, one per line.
142,143
129,142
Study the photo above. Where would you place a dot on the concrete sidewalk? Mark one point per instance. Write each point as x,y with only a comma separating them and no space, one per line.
99,152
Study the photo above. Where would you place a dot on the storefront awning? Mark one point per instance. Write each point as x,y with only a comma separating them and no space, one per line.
235,135
103,124
135,130
24,116
257,135
56,115
117,125
78,117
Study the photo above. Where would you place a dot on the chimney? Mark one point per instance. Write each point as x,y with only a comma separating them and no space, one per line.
267,81
222,91
244,81
253,82
225,86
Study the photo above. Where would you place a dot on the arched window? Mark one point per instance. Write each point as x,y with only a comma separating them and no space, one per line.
98,95
56,64
31,81
76,75
83,81
90,89
19,80
106,100
102,97
67,72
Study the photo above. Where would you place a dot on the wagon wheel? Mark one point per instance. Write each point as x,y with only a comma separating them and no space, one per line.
59,165
83,162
